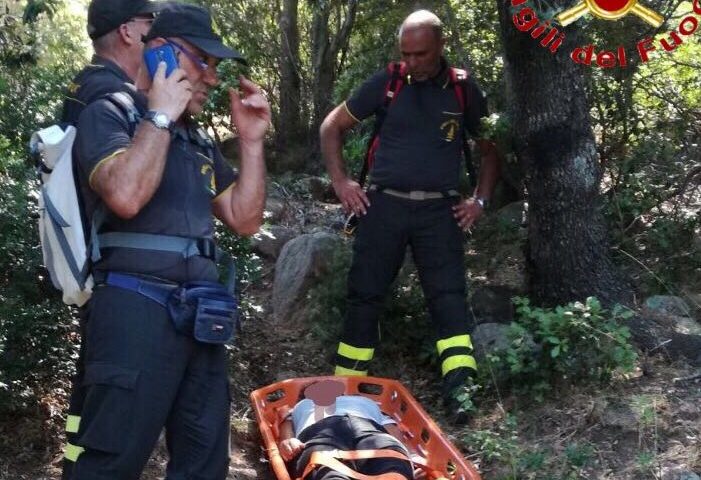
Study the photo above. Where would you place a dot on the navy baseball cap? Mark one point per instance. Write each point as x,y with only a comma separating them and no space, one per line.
106,15
194,24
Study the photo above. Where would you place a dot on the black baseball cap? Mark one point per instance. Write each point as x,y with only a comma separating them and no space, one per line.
106,15
194,24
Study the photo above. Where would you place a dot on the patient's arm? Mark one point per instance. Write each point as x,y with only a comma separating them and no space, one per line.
394,430
289,445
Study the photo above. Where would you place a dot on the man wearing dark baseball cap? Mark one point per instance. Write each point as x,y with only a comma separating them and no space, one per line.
154,351
115,28
194,24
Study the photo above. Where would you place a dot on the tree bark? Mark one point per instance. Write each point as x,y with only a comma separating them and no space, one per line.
568,245
290,131
328,48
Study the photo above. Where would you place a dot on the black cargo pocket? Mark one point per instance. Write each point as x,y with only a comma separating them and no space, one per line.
106,420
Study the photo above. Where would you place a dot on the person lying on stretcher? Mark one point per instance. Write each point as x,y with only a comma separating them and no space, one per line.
328,420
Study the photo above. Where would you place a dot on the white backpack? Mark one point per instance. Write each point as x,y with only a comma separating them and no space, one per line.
60,221
64,243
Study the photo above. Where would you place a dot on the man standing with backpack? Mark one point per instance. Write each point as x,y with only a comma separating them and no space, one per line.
157,322
423,109
115,28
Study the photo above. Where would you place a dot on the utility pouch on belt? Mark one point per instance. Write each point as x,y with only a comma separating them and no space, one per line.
204,310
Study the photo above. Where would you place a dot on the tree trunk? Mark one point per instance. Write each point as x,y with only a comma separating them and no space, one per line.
568,247
328,48
291,135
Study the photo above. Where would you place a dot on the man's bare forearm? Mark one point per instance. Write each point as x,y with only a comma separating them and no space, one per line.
128,181
332,151
248,196
490,170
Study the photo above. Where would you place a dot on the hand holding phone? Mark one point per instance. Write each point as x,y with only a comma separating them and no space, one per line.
164,53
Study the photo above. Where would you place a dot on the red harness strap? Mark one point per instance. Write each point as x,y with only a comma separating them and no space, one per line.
398,74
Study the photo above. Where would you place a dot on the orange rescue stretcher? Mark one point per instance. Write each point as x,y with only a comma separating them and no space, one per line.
430,450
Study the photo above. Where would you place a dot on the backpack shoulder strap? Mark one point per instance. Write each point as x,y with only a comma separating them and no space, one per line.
397,76
125,103
459,79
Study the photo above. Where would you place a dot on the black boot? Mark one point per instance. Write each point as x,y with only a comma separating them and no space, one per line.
459,390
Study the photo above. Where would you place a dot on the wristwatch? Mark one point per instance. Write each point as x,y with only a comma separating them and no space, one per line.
481,201
159,119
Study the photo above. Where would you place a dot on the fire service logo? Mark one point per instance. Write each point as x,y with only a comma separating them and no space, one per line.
526,20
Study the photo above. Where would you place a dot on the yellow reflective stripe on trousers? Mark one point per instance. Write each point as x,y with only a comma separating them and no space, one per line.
355,353
347,372
72,423
457,341
72,452
457,361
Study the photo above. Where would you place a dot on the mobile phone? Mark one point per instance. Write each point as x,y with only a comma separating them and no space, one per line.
164,53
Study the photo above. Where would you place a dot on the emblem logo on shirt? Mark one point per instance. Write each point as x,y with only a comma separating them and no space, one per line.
449,129
207,172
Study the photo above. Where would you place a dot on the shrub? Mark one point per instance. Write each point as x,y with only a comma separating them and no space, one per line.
579,341
36,345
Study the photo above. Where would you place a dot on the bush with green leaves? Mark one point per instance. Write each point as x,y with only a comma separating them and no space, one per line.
37,347
576,342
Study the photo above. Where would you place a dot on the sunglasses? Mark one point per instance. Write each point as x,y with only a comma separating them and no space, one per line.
196,59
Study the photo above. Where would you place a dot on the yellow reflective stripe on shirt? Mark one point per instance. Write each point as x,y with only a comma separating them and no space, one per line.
349,112
458,361
457,341
72,423
348,372
223,192
72,452
102,162
355,353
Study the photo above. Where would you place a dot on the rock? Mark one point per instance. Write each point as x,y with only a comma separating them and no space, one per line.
615,414
275,209
301,261
492,304
321,190
513,213
685,325
668,304
489,338
242,473
270,240
678,473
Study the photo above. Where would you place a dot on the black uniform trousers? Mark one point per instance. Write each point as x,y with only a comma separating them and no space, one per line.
436,242
348,432
137,375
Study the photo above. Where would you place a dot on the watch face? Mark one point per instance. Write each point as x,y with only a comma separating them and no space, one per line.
161,120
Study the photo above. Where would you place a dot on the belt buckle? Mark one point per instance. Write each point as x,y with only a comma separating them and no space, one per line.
417,195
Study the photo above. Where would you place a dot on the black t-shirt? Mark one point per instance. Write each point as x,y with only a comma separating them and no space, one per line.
421,137
181,205
94,81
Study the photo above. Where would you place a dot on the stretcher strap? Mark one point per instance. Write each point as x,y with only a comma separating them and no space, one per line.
329,458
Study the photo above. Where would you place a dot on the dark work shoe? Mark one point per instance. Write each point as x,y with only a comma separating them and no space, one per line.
460,403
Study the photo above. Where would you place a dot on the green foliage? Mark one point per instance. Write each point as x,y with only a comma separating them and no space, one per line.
37,346
579,454
247,264
577,342
354,150
499,443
